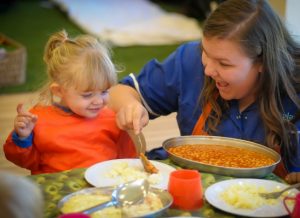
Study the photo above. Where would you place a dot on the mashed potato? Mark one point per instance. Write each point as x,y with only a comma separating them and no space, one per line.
123,173
81,202
246,196
151,203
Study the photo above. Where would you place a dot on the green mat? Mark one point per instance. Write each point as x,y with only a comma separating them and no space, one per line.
32,22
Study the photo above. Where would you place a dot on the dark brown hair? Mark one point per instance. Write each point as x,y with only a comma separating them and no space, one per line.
265,39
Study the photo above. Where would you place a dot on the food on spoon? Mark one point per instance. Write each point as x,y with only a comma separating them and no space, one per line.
222,155
81,202
123,173
148,166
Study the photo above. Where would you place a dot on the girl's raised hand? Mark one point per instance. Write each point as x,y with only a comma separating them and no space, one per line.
24,122
132,117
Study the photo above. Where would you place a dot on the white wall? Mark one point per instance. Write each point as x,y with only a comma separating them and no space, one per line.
292,17
289,10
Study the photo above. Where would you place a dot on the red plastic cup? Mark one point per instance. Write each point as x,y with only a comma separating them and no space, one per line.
296,211
74,215
186,188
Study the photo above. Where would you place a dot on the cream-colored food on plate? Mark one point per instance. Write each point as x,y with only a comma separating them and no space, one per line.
123,173
151,203
81,202
246,196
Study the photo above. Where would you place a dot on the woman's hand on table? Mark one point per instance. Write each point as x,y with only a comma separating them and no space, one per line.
293,178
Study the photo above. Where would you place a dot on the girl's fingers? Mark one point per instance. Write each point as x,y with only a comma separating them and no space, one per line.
22,120
22,112
26,119
34,118
21,125
20,109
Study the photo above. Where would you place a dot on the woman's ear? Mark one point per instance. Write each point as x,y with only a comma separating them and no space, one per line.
56,90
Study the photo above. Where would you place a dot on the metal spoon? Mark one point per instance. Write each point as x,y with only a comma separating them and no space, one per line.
274,195
138,140
124,195
140,146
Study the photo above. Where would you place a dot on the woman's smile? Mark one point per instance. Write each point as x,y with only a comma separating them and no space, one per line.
222,86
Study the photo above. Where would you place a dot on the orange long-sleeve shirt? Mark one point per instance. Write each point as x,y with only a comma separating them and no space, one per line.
63,141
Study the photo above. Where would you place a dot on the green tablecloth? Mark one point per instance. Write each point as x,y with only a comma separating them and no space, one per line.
56,185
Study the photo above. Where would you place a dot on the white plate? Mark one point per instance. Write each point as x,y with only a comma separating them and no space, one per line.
164,196
212,195
96,175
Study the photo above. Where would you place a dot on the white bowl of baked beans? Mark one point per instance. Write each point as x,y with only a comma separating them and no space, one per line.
222,155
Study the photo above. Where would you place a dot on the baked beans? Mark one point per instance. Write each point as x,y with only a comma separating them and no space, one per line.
222,155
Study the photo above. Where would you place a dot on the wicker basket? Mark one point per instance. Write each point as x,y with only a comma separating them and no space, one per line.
12,63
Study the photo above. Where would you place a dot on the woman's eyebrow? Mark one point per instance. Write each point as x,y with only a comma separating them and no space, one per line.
220,59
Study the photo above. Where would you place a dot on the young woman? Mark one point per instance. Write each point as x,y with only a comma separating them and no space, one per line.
242,81
70,127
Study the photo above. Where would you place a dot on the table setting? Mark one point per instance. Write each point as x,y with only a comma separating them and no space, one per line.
184,187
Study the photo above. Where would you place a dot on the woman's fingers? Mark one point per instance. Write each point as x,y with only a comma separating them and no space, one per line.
128,116
140,119
121,120
293,177
133,117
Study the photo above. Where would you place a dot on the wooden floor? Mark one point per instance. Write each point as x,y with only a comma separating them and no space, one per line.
155,133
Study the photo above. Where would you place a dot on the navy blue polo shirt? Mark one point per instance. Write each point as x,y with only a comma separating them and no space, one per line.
174,85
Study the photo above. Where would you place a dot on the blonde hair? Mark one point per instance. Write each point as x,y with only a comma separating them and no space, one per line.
82,63
20,197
